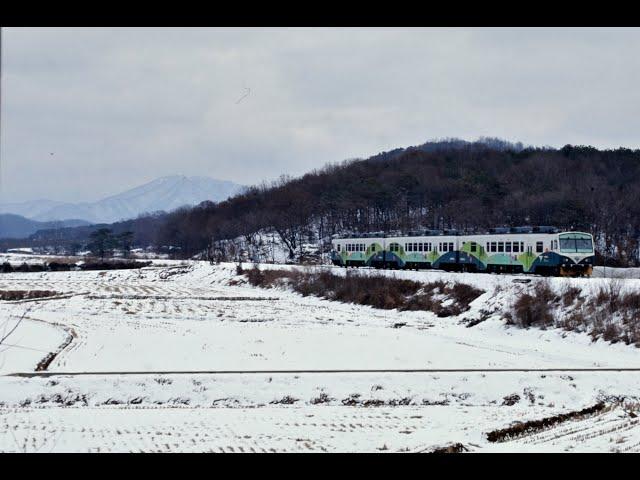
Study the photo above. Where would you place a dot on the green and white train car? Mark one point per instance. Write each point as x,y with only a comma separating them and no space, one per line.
539,250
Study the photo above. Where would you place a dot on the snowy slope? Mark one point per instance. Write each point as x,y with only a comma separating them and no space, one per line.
30,209
192,316
166,193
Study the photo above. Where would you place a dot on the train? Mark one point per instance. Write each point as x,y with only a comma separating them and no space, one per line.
541,250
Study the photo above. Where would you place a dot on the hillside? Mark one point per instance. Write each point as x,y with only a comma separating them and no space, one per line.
16,226
162,194
453,184
449,184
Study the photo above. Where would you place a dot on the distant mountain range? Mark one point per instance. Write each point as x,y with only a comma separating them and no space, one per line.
16,226
162,194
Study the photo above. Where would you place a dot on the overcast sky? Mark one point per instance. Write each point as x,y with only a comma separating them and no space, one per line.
120,107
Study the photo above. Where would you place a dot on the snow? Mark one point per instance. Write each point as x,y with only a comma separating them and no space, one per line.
165,193
197,317
21,250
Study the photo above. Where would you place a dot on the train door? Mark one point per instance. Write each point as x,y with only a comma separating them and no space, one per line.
384,252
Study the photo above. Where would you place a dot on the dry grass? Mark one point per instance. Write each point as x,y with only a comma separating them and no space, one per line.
534,426
378,291
11,295
607,313
534,309
66,264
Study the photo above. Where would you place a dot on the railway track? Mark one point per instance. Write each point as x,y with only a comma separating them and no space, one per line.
325,371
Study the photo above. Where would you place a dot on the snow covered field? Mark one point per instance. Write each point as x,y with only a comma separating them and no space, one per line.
198,318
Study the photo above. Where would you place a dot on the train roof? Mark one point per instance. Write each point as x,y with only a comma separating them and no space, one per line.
434,233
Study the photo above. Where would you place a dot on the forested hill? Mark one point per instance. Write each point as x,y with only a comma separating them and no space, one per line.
452,184
438,185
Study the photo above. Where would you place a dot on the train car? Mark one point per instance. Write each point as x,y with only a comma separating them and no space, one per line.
538,250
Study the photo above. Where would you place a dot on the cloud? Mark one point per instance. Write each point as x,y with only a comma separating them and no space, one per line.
121,106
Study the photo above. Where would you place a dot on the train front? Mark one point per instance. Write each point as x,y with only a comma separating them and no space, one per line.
576,254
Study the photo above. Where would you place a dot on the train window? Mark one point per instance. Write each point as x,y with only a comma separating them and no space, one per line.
472,247
494,248
372,247
515,247
500,246
451,249
539,247
415,247
507,247
488,249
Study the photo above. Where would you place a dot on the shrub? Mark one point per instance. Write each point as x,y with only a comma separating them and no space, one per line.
118,265
570,294
59,267
535,309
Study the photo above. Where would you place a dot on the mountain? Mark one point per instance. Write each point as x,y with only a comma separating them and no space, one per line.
16,226
166,194
30,209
